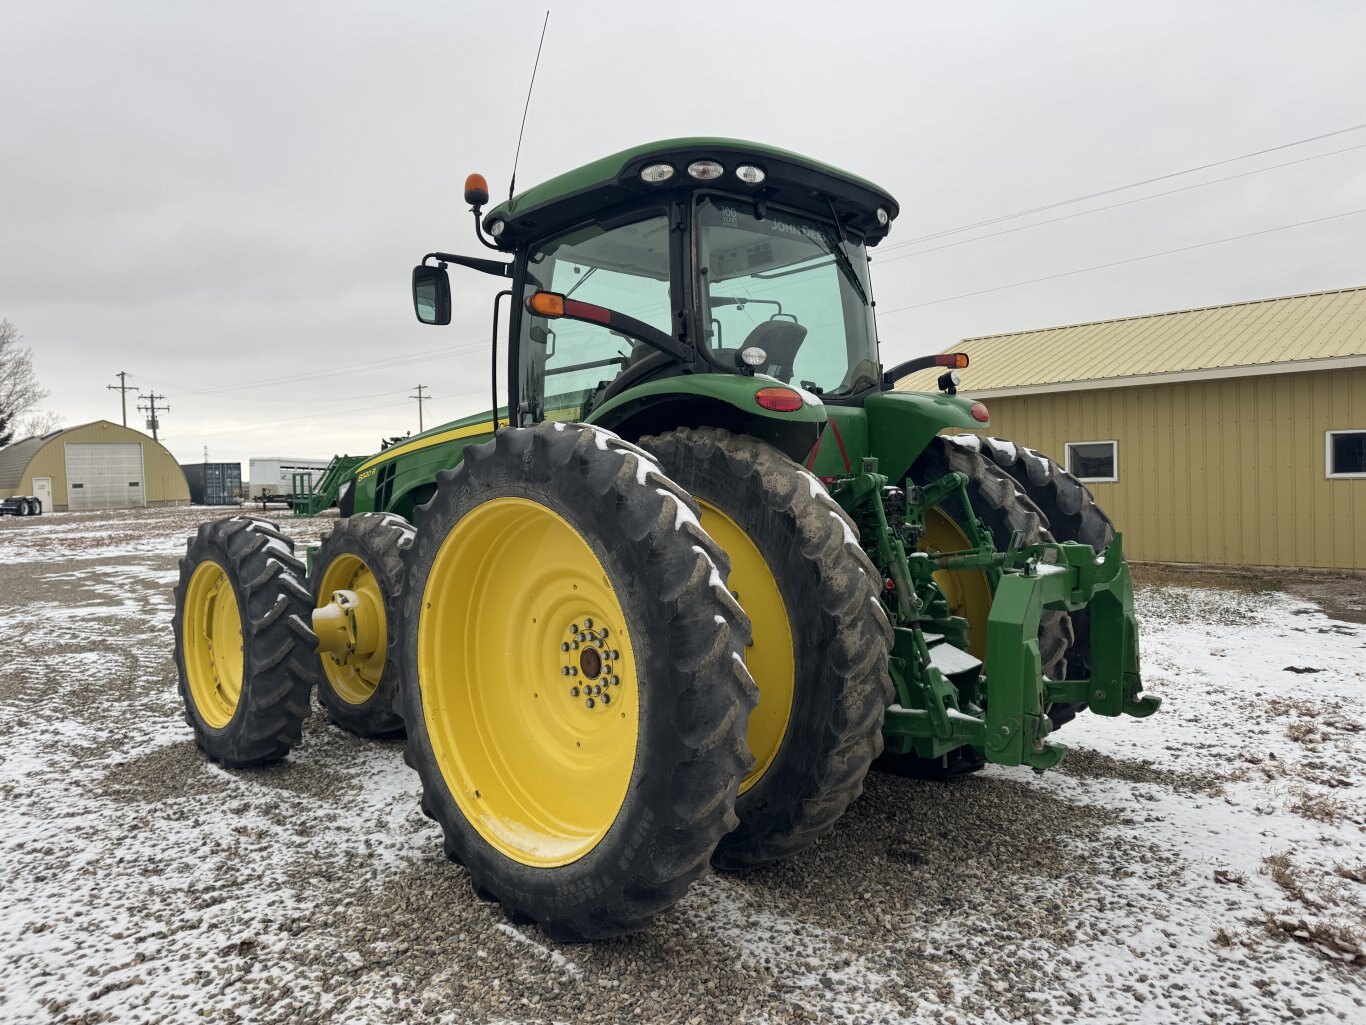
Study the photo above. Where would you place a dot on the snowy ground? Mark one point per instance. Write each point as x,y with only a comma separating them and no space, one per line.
1208,864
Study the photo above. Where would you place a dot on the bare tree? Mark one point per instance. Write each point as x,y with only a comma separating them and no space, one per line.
20,392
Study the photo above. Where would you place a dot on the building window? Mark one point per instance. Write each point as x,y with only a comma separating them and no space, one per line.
1093,460
1346,454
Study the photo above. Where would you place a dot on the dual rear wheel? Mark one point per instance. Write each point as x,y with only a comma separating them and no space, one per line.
571,659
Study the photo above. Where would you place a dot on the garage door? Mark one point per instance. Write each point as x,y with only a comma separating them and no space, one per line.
104,476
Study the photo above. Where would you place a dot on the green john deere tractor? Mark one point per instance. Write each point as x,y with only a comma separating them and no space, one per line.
665,607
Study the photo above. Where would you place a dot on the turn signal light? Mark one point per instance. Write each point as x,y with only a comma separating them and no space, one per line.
546,304
780,400
957,360
979,412
552,304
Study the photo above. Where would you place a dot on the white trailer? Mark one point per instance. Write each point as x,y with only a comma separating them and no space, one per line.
274,475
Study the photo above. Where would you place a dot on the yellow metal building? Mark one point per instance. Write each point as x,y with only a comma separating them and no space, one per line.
1230,435
100,465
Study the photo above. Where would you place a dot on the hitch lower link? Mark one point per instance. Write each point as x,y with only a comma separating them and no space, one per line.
946,698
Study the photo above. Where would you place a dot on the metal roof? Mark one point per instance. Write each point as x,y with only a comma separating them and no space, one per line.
1314,331
14,459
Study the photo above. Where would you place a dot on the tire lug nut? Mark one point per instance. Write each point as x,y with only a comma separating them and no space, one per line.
572,646
588,624
616,680
607,699
564,670
564,646
573,628
573,692
589,703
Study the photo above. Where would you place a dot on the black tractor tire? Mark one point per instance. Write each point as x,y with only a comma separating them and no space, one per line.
1000,504
841,637
689,688
1073,515
256,567
1004,508
378,540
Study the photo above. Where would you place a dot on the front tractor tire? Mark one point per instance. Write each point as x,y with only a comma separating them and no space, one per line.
243,647
362,558
572,679
820,639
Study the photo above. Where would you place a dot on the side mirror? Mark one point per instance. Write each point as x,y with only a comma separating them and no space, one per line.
431,294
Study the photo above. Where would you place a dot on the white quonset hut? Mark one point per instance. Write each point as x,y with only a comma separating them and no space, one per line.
94,466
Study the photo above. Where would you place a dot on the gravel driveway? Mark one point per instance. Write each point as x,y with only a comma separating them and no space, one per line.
1208,864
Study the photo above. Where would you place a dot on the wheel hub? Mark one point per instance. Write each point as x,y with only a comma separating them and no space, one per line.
348,627
587,660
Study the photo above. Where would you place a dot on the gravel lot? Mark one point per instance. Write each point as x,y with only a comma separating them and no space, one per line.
1208,864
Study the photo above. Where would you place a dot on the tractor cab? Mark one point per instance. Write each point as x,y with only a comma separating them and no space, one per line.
690,256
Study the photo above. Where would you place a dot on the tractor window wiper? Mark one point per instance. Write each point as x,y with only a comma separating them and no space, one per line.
581,280
836,246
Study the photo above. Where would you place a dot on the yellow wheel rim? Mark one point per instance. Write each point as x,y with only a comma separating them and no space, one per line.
356,679
968,591
528,682
769,658
212,644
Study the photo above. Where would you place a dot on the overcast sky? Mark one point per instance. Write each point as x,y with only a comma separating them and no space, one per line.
226,200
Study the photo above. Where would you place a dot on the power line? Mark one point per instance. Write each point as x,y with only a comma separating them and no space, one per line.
1120,263
1114,206
420,357
1131,185
255,424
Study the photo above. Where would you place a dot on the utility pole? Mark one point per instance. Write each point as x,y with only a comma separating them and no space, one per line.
420,399
151,409
123,388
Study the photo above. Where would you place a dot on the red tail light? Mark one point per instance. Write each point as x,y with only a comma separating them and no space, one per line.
780,400
979,412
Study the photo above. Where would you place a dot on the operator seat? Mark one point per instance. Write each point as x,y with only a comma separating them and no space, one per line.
780,339
637,371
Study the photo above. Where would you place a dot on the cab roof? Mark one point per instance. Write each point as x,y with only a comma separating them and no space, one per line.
790,180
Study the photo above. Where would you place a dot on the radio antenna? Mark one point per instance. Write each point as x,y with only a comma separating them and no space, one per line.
512,185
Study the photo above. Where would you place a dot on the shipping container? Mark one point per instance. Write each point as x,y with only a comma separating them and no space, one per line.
214,483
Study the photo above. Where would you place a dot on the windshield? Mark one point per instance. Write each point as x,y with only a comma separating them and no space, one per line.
785,284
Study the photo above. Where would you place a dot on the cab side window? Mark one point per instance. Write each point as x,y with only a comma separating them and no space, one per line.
565,363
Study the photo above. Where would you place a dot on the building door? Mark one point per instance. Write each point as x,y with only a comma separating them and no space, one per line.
104,475
42,490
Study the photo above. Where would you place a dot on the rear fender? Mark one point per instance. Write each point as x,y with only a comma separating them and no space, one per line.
713,400
901,424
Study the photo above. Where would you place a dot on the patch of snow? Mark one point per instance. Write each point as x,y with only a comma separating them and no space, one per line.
1006,448
950,660
849,536
682,514
554,956
715,577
